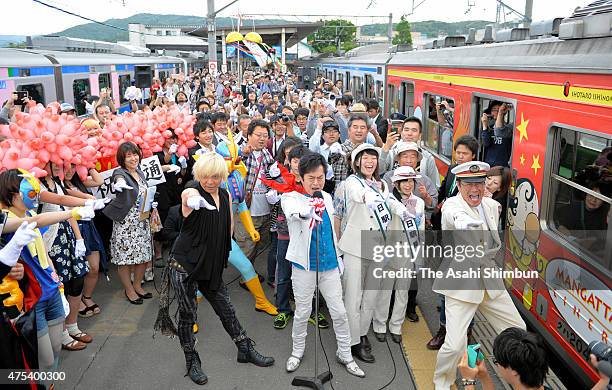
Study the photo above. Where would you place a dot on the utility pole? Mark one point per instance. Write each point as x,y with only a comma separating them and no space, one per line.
390,29
528,12
210,26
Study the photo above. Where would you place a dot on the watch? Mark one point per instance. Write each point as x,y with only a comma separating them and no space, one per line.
469,382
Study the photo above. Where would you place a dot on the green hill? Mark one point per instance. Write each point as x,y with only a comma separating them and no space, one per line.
109,34
429,27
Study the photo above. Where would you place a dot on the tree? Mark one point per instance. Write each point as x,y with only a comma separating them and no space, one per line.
334,35
403,36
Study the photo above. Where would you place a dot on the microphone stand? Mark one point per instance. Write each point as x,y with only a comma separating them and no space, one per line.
315,382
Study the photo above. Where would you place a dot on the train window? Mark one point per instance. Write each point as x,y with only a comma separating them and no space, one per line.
104,80
495,133
36,92
124,83
369,87
407,98
580,192
393,100
379,91
438,132
358,87
80,90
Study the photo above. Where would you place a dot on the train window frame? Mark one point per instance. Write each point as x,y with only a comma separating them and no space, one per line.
475,118
380,91
392,98
78,104
424,134
358,87
403,108
369,86
122,90
106,76
38,86
547,212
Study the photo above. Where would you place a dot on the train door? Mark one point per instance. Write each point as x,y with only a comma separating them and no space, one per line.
369,87
439,124
392,99
407,98
357,87
495,141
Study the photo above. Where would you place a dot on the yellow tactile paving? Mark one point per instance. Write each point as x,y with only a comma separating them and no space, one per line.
422,361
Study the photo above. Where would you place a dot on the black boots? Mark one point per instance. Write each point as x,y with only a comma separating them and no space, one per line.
194,368
436,342
248,354
363,350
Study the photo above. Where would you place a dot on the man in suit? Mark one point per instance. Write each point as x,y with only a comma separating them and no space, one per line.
471,219
376,117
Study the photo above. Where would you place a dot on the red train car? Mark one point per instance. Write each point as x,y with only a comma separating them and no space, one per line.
560,97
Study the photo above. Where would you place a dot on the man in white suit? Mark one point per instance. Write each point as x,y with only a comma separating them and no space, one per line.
474,219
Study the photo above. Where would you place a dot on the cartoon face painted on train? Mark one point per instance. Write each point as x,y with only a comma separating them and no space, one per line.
524,223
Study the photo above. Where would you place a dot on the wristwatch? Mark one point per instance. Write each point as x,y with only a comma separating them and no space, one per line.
469,382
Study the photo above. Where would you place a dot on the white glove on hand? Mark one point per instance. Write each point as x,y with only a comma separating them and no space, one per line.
336,148
196,202
272,197
84,213
80,249
121,185
304,136
173,148
66,305
406,215
372,200
310,213
97,204
22,237
183,161
174,169
463,222
330,173
274,170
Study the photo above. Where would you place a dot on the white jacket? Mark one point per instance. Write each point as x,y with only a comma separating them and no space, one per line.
360,219
300,235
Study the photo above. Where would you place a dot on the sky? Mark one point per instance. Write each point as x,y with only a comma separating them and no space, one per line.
25,17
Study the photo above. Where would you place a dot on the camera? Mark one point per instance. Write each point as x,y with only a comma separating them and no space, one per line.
332,96
284,118
602,351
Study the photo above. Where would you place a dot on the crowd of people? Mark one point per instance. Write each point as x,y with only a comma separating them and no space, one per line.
315,177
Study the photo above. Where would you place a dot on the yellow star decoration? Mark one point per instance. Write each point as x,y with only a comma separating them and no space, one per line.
535,165
522,128
522,159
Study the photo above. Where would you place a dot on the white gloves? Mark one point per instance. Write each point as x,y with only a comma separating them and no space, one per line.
66,305
80,249
274,170
310,213
97,204
406,215
304,136
173,169
272,197
183,161
336,148
22,237
372,200
173,148
83,213
195,202
121,185
330,173
463,222
154,205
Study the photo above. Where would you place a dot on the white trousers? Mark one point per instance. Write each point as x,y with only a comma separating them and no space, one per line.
501,314
330,288
360,300
381,313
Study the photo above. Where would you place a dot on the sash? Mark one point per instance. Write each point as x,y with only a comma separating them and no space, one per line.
382,213
412,236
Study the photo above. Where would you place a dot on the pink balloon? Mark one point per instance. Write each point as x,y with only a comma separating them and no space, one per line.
65,153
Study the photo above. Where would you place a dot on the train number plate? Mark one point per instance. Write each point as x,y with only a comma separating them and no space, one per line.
572,338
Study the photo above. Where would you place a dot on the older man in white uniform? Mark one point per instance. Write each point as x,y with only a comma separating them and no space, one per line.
474,219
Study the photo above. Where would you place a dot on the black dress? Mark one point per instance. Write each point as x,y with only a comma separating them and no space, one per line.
204,243
168,193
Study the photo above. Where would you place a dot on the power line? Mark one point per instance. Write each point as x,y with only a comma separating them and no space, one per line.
91,20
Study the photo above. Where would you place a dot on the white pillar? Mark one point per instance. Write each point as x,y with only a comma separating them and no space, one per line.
223,49
283,48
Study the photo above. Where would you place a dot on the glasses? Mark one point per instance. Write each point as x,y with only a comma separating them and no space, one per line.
260,135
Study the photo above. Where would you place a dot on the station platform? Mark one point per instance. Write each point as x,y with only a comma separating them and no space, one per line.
125,355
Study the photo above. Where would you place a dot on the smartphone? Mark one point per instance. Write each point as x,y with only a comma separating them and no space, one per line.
21,95
395,126
438,99
3,218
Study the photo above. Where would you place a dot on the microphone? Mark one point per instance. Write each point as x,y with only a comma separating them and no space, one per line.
318,194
